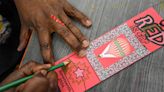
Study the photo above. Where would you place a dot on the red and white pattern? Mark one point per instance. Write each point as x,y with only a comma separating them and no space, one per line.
116,49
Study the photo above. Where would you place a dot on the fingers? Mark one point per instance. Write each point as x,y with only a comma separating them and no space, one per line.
41,68
39,83
52,77
24,37
73,12
74,30
33,67
69,37
27,69
70,33
45,44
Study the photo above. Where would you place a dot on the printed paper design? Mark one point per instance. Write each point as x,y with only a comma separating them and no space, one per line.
138,53
112,52
118,48
78,76
80,72
153,31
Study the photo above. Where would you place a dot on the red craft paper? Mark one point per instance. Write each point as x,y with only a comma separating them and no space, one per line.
129,42
112,49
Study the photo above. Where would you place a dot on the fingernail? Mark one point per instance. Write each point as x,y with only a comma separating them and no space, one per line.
18,49
85,43
89,23
82,53
51,85
48,65
44,72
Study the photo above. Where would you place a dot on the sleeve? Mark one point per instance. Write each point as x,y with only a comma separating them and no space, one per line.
4,1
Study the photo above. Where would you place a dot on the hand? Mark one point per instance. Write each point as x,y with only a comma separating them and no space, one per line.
41,82
48,16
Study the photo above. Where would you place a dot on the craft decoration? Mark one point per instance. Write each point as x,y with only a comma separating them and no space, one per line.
116,49
112,52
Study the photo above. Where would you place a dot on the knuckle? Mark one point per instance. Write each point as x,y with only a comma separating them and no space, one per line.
73,10
74,44
47,58
39,27
70,25
64,32
45,46
38,24
32,63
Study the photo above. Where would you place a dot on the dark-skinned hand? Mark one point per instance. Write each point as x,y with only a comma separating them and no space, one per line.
36,15
42,81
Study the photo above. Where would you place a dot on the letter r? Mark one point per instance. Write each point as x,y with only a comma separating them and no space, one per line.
144,21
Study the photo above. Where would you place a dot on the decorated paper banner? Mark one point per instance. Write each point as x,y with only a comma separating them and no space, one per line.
112,52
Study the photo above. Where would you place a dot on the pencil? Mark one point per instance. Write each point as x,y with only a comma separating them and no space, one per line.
22,80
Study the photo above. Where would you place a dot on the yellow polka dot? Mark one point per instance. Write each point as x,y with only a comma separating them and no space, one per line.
1,27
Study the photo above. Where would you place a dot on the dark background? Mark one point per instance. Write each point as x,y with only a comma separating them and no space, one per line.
9,57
